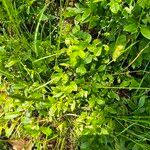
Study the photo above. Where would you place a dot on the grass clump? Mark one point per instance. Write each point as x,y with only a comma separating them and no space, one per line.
74,74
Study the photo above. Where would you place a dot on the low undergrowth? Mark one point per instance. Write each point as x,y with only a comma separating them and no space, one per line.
75,74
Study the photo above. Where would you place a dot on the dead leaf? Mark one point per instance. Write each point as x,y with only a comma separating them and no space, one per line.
21,144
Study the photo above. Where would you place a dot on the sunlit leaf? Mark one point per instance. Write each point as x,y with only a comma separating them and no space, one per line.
96,1
11,63
100,101
81,70
118,51
144,3
146,31
114,7
46,130
119,47
86,14
104,131
73,105
131,28
12,115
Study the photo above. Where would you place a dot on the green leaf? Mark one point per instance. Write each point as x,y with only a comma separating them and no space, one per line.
70,12
85,36
96,1
73,105
121,40
85,145
145,31
104,131
26,120
110,109
134,83
12,115
118,52
9,131
144,3
88,59
46,130
102,68
76,29
44,18
73,61
131,28
81,70
114,7
119,48
142,101
97,51
58,94
72,87
32,130
100,101
91,102
125,83
86,14
113,95
2,50
11,63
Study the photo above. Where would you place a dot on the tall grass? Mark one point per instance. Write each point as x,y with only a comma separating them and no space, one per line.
53,104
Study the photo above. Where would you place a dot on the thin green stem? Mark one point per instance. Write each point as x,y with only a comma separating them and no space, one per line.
37,28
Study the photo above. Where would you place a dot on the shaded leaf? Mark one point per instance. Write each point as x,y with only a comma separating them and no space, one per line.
142,101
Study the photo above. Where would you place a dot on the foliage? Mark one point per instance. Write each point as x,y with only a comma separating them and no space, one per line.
75,74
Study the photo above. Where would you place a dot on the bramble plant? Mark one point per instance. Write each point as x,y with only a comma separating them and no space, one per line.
75,74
